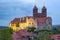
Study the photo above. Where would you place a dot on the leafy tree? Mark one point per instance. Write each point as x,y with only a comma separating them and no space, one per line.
56,31
45,35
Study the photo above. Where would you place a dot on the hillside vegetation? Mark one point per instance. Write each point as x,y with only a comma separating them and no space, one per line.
5,34
46,34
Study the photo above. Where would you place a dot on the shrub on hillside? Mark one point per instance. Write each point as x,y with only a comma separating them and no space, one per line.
31,29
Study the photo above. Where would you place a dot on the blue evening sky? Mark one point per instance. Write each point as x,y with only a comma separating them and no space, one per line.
10,9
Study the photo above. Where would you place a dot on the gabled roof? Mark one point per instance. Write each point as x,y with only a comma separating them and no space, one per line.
42,20
16,20
29,16
56,36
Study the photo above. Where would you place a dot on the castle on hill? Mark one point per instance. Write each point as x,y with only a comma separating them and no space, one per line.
38,20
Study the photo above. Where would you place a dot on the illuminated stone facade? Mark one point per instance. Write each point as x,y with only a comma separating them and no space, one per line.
38,20
22,23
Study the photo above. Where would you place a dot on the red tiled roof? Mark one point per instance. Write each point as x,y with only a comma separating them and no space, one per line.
29,16
56,36
16,20
42,19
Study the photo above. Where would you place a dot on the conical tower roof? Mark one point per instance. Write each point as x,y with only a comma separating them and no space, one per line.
35,7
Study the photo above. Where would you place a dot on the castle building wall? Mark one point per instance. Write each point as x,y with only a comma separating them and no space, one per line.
45,25
41,26
38,20
49,22
24,22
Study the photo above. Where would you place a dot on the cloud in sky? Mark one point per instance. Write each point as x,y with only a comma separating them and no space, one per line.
24,1
9,9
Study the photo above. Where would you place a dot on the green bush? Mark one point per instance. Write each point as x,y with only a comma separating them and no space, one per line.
45,35
31,29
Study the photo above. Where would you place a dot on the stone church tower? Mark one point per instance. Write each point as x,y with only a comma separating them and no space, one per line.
44,11
40,15
35,12
42,22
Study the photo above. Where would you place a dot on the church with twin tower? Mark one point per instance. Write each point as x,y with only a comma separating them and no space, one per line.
42,22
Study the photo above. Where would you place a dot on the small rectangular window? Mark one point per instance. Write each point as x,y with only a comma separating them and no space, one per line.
17,25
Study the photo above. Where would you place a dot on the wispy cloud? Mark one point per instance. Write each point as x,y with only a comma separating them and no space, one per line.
9,9
23,1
